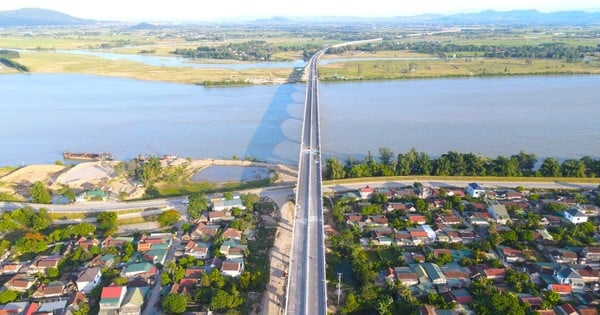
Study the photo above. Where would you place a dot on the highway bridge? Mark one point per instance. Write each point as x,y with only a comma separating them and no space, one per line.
306,289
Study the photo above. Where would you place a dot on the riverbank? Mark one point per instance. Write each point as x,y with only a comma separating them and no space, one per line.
382,66
394,69
15,182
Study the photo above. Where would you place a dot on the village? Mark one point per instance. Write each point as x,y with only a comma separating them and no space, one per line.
462,250
215,261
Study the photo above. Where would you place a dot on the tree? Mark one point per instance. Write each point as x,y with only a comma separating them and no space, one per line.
249,200
39,193
107,222
82,229
53,273
150,171
197,204
68,193
82,309
174,303
572,168
386,155
351,305
8,296
168,217
334,169
526,162
223,301
550,168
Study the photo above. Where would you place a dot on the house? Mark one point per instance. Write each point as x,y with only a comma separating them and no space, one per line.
50,290
92,195
30,309
51,308
512,255
498,213
16,308
41,264
475,191
568,275
365,192
461,296
143,270
406,275
394,206
231,233
223,205
11,268
155,256
494,273
591,253
20,282
219,216
589,275
133,301
416,218
561,288
111,298
565,309
197,250
232,268
434,273
205,231
564,256
102,261
89,279
115,241
575,216
534,302
86,244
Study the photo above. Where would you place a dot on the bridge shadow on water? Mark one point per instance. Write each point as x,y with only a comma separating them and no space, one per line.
277,137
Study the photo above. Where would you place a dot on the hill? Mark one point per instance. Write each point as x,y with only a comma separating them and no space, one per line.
522,17
39,17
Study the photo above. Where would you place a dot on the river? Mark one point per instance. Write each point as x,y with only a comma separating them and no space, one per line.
44,114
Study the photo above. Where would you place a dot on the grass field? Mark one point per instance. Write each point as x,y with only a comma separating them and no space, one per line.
407,69
52,62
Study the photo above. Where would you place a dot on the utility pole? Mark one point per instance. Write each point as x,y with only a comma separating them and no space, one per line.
339,287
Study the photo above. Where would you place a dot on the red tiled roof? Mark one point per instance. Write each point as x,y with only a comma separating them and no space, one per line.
561,288
366,189
494,272
31,308
418,233
230,266
111,292
232,233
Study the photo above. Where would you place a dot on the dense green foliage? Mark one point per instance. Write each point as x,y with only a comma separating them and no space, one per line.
168,217
39,193
174,303
443,50
8,296
255,50
459,164
107,222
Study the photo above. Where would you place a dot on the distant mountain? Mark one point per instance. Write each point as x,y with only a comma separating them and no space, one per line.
144,27
39,17
274,20
522,17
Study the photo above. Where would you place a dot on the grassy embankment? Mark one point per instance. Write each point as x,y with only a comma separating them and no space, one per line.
459,67
463,178
51,62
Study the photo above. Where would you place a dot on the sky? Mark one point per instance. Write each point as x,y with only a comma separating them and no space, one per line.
199,10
